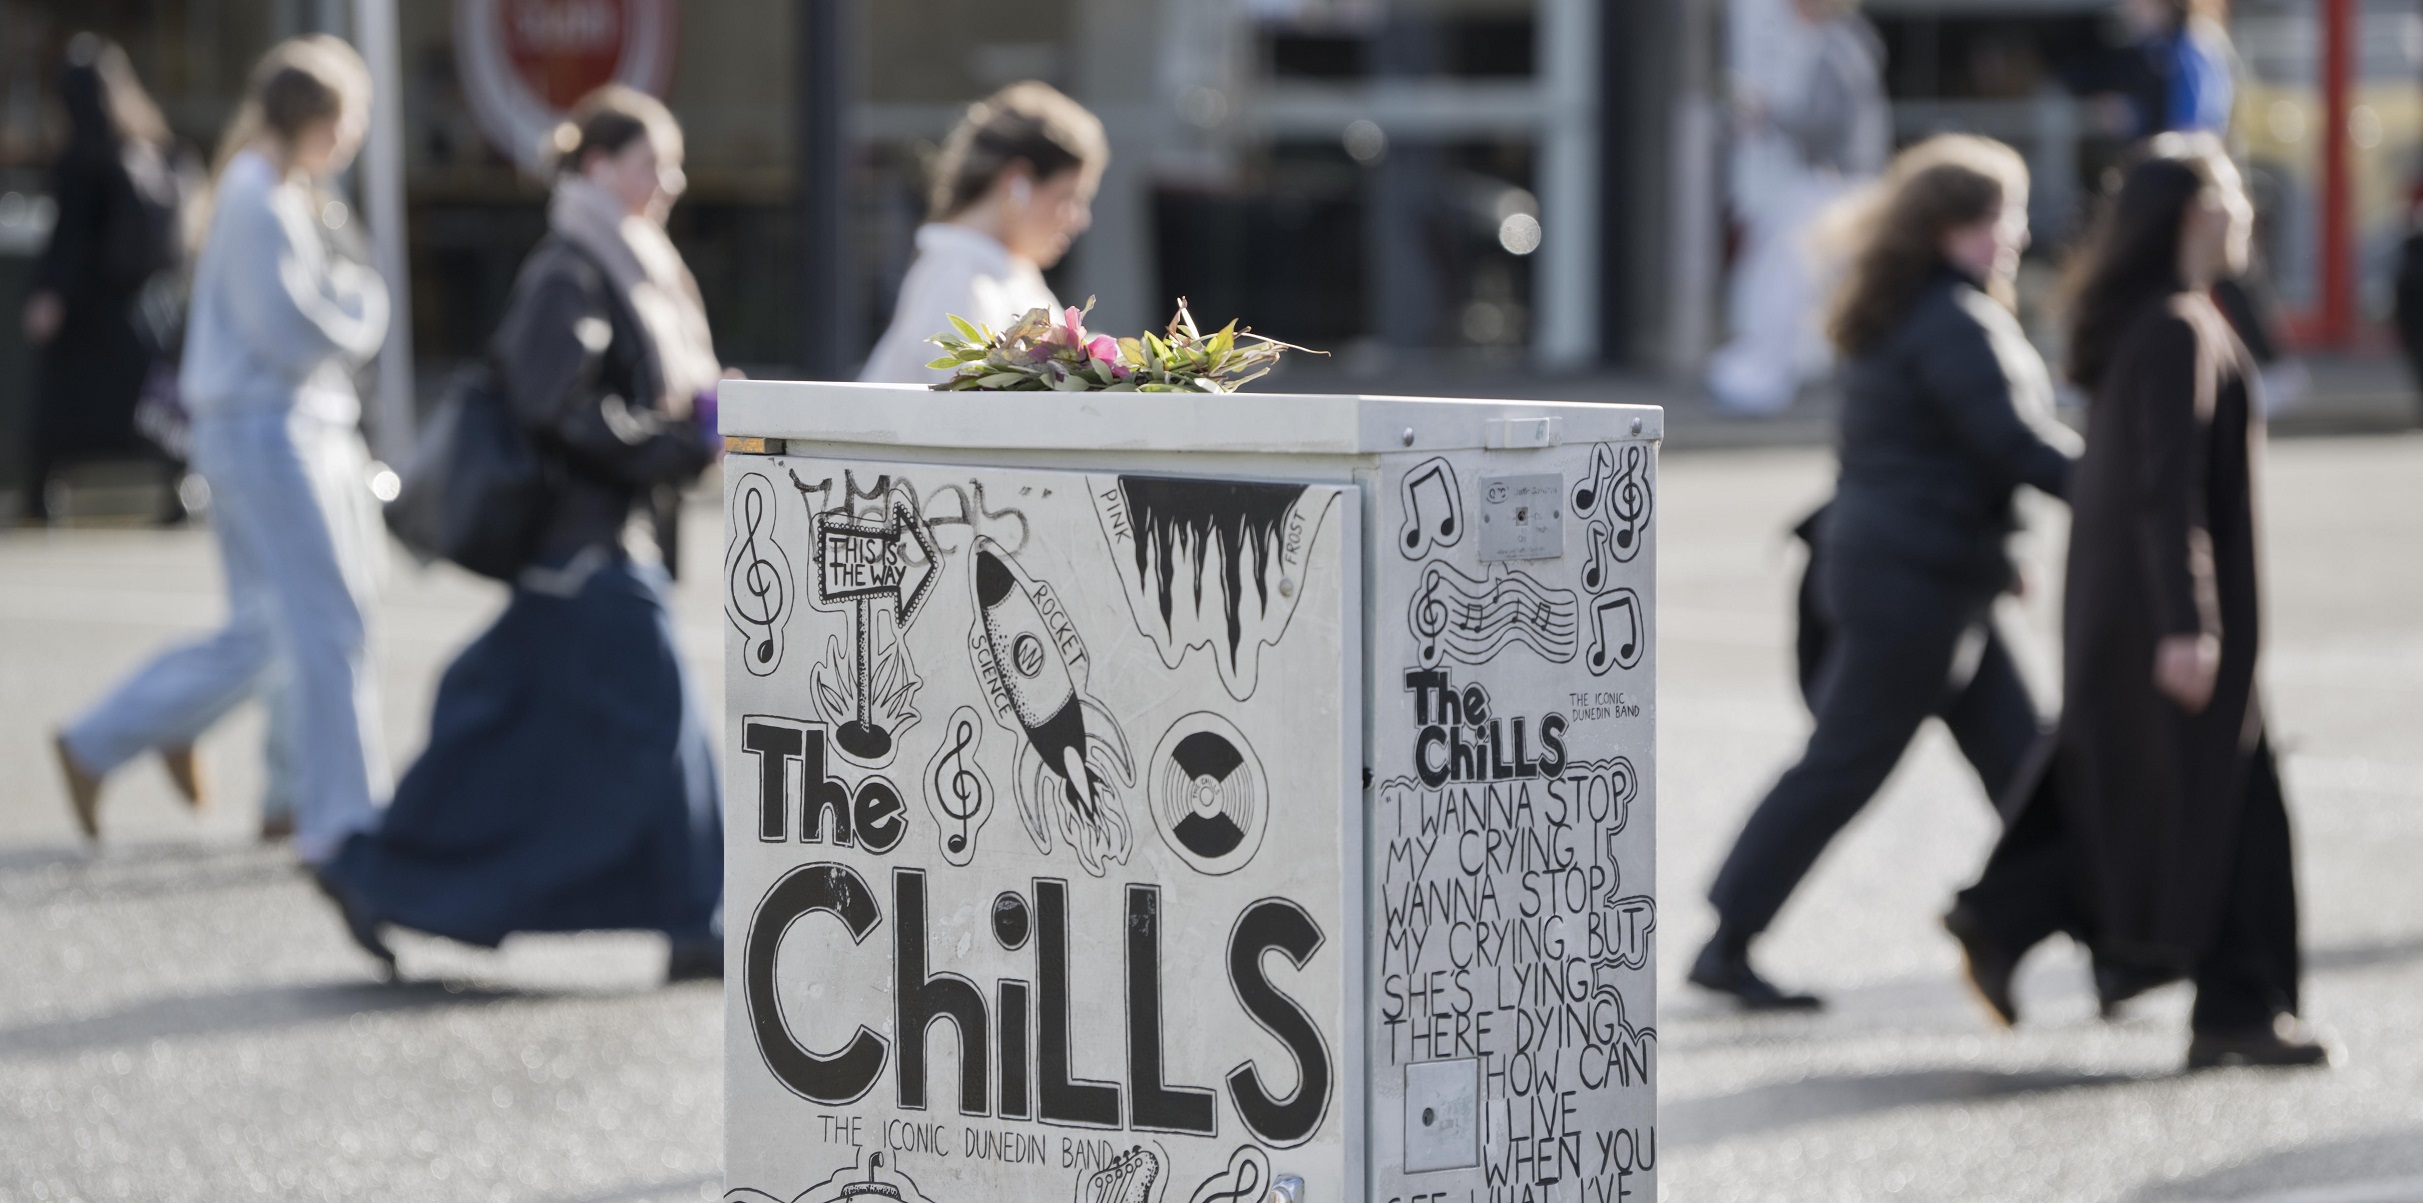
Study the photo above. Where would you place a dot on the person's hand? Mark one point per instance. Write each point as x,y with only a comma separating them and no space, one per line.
2185,668
44,312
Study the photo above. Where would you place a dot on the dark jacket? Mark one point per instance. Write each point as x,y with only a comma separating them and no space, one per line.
1940,425
2162,542
573,357
117,229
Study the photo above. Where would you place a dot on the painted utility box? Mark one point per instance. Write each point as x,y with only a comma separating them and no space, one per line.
1148,799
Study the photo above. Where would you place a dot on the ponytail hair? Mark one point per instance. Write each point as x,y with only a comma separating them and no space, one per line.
609,120
300,82
1032,123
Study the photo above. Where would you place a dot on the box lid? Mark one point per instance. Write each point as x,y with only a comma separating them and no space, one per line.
907,415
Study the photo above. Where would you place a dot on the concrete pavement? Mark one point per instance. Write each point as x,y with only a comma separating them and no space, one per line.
181,1018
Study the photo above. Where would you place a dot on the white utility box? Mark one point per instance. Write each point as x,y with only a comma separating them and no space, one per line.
1154,799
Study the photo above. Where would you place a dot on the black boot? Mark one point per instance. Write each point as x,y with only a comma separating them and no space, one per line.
1990,966
2286,1043
359,922
1724,967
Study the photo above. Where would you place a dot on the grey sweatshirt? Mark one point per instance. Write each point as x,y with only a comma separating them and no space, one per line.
276,323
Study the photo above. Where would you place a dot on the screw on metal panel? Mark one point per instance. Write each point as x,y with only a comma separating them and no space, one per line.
1287,586
1409,436
1430,1116
1636,425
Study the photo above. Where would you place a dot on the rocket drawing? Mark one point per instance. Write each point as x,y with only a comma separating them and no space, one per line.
1073,760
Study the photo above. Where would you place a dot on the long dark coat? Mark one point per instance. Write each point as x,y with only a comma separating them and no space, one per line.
2163,542
107,243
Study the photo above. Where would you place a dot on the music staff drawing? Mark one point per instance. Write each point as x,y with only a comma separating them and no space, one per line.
1434,508
1471,619
757,576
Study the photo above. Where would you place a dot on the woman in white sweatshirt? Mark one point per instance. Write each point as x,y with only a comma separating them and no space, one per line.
1013,186
278,323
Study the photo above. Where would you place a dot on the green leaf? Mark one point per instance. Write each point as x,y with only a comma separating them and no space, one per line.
965,329
999,380
947,361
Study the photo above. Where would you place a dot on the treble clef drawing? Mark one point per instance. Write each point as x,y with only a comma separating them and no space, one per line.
1630,504
757,576
1245,1180
957,791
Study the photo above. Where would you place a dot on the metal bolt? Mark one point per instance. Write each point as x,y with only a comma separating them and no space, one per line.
1429,1116
1636,425
1409,436
1287,586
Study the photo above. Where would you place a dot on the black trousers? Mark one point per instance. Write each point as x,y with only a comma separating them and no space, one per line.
1907,643
2250,973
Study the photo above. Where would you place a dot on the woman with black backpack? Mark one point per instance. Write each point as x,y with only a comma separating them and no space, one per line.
569,782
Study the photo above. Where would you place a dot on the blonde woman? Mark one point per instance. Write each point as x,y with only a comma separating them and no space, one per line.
276,327
1013,186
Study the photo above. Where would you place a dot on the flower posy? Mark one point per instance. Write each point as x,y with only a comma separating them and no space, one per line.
1038,352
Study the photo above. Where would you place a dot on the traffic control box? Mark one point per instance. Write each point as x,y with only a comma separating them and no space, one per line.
1139,798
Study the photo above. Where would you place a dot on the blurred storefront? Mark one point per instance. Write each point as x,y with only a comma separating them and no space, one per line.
2328,120
1384,177
1509,185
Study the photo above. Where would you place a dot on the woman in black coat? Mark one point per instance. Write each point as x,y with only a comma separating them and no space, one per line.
569,782
1947,410
2156,828
121,200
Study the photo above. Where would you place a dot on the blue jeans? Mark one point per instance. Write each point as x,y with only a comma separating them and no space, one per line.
300,541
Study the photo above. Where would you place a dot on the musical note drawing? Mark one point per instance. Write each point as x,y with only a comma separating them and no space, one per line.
1622,649
1614,494
957,791
1246,1180
1594,569
757,576
1596,479
1433,523
1471,619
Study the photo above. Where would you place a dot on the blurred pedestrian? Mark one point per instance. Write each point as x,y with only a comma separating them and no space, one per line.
2186,77
1829,107
1947,410
1012,187
2157,828
569,782
276,327
102,315
2183,78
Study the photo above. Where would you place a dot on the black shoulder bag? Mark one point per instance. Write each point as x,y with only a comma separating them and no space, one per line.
476,490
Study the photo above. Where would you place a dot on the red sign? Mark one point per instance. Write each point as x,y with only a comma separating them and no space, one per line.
525,62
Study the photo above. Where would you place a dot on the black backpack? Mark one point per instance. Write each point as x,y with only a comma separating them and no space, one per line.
476,491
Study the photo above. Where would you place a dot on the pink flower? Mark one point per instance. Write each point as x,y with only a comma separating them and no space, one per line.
1104,348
